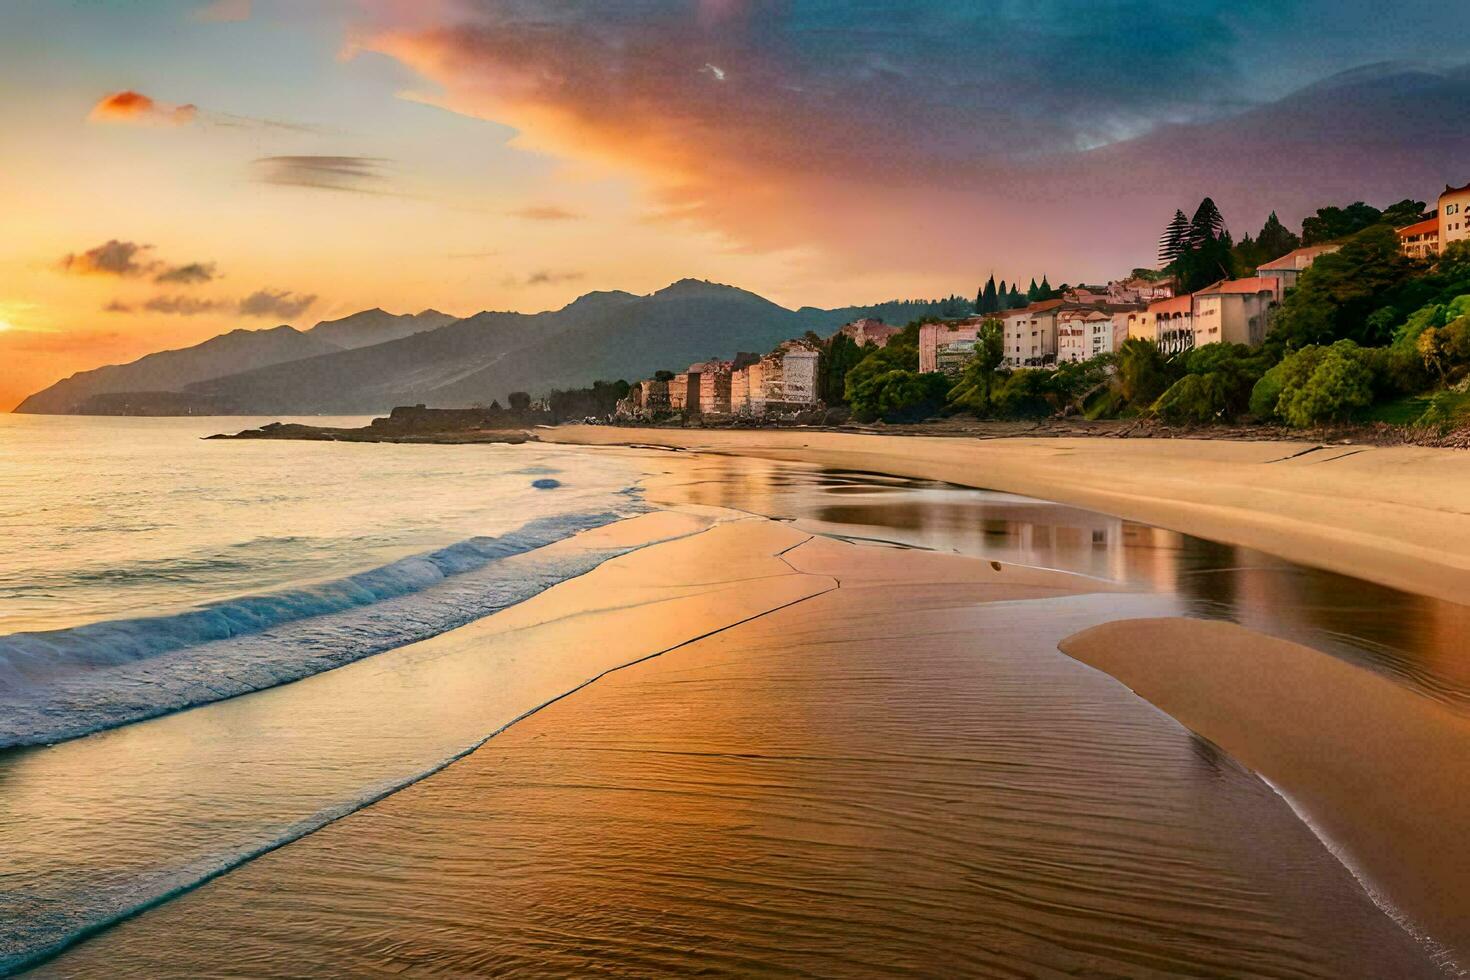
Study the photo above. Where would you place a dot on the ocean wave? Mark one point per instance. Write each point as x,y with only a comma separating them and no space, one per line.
64,683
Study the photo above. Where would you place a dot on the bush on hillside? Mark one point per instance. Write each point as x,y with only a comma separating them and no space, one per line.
1317,384
896,395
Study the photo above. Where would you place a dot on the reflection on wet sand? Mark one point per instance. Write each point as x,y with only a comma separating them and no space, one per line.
1417,640
898,776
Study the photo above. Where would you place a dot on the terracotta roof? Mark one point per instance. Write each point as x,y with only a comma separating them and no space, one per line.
1259,284
1177,304
1288,262
1420,228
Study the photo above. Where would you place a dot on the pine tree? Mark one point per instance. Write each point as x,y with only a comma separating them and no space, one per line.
980,299
1016,299
1033,293
1044,291
1174,240
1275,240
989,303
1207,226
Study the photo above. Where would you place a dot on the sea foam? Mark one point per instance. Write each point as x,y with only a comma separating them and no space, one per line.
64,683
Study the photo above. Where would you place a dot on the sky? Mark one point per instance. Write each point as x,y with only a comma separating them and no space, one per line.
173,170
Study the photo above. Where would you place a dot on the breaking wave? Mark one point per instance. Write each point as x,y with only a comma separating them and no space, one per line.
64,683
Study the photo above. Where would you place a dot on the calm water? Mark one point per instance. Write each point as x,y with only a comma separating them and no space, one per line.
192,794
1419,641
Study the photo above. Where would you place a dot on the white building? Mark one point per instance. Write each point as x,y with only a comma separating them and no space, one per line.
1236,311
1031,334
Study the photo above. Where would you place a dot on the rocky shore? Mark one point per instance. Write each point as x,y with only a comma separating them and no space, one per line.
410,424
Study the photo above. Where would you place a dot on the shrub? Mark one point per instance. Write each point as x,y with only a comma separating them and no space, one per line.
896,395
1024,394
1143,373
1195,398
1339,382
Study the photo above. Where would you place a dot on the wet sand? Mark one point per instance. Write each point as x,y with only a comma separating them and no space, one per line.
1383,773
1396,516
879,763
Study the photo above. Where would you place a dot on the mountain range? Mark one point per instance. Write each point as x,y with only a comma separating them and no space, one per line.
371,361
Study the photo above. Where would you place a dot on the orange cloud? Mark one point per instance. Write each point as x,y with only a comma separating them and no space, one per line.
111,258
135,108
753,151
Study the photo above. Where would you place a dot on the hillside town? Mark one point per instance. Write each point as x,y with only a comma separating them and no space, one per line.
1080,325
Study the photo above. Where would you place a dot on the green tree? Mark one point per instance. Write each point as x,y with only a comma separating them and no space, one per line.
973,390
1275,239
1205,256
1337,296
1143,372
1217,384
1174,240
519,401
1033,292
1024,394
841,355
988,301
1405,212
1044,291
897,395
1332,223
1340,385
1016,299
1316,384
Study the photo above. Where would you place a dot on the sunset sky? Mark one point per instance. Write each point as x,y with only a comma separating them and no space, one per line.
172,170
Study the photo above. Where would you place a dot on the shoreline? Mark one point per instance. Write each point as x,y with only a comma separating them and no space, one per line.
1393,515
1333,739
973,803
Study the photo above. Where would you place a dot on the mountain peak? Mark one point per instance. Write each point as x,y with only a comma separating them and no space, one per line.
686,288
599,297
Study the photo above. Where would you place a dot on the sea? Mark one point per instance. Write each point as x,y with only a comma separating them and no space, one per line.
130,546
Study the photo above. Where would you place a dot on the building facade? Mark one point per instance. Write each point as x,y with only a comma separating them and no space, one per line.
946,335
869,330
1285,271
1172,324
740,391
714,388
1421,239
789,376
1454,216
1031,334
679,391
1137,290
1236,311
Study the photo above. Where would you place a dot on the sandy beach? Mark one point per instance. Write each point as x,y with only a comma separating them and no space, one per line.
1378,769
748,748
1396,515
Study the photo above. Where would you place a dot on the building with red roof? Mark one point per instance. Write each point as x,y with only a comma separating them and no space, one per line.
1421,239
1235,311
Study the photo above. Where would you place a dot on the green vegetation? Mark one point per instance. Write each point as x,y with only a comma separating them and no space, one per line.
977,383
887,383
1368,334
